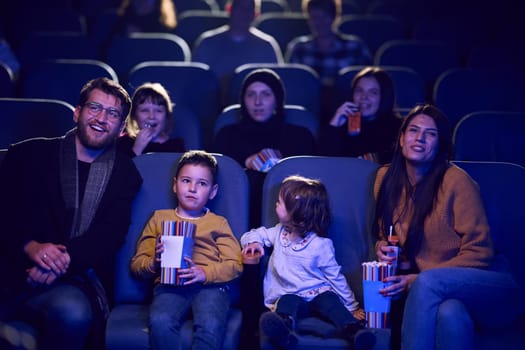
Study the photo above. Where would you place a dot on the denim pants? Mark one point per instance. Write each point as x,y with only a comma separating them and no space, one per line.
61,315
169,310
326,306
445,304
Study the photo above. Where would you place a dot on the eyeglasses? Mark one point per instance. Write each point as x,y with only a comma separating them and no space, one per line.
95,108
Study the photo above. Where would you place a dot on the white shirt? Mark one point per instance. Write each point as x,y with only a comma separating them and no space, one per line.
306,268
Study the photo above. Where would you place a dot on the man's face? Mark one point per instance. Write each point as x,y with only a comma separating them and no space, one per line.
242,13
99,120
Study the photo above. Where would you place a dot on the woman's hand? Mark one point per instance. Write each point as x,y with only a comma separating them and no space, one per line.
341,115
399,284
249,163
382,250
253,248
193,274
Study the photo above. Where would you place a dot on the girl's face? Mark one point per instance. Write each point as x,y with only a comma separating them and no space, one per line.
419,142
280,210
151,115
259,101
367,94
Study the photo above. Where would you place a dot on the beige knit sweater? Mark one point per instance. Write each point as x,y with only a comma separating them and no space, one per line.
457,232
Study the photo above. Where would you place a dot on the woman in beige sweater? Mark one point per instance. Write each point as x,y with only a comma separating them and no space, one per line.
447,270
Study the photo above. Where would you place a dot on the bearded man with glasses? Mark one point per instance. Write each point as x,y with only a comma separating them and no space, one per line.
65,207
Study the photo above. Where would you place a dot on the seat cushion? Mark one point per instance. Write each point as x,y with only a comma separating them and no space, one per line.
127,329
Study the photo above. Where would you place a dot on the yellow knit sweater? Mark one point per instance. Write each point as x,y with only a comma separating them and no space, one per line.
215,249
456,233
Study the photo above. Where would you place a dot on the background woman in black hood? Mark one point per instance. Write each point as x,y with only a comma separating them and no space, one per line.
262,135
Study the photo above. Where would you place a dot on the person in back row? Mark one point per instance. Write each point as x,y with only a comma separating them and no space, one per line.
326,50
373,97
65,207
227,47
262,136
150,122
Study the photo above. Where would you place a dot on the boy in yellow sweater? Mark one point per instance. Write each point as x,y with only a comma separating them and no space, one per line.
216,261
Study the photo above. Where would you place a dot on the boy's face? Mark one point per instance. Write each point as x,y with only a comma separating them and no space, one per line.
194,187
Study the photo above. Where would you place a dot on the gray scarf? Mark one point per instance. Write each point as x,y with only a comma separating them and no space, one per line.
99,174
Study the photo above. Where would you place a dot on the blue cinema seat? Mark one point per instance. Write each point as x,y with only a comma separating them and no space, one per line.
502,187
127,326
490,136
349,182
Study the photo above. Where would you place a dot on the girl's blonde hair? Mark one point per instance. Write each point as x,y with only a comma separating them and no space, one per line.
307,204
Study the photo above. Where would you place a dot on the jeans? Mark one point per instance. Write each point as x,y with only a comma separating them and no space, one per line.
169,310
62,316
326,306
445,304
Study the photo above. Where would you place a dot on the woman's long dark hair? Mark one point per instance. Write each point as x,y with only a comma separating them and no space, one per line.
423,194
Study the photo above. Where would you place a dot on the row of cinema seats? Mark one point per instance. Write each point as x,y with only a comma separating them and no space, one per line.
488,135
349,183
457,91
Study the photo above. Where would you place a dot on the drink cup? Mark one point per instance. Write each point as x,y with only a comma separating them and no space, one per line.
393,251
354,122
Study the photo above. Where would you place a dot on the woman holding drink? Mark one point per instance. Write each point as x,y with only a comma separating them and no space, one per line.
365,126
454,282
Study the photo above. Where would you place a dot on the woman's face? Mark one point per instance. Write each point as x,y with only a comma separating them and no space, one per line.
367,94
419,142
259,101
151,115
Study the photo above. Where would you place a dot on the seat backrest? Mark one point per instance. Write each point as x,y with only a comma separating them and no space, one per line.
408,84
195,5
126,52
374,30
349,182
41,46
502,187
62,79
463,35
157,171
7,82
458,92
496,57
187,127
45,18
268,6
296,77
27,118
428,58
3,152
294,114
491,136
283,26
191,84
193,23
